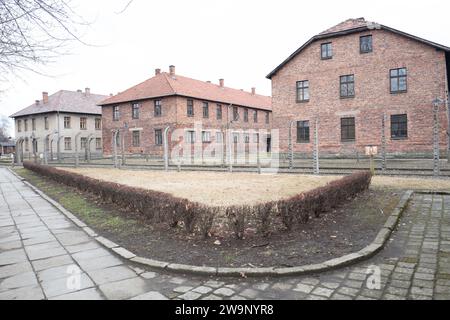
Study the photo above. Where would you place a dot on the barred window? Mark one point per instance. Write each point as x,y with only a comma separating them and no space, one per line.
302,91
399,126
302,131
136,138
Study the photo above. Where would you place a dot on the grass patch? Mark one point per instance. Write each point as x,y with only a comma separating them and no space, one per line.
98,217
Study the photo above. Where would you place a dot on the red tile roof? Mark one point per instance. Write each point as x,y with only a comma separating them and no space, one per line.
65,101
164,84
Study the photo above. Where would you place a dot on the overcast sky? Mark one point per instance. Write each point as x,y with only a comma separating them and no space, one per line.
240,41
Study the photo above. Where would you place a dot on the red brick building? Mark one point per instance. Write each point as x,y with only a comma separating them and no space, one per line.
348,77
202,110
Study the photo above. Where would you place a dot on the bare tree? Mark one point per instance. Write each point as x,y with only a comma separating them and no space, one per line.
5,125
33,32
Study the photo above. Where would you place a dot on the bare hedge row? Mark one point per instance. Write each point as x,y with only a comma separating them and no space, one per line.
161,207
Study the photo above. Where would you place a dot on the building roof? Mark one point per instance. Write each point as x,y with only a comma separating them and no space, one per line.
165,84
65,101
8,144
354,26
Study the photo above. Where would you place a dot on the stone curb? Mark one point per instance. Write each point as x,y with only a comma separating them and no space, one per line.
352,258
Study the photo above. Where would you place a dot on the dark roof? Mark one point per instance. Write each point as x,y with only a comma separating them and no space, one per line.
65,101
354,26
164,85
7,144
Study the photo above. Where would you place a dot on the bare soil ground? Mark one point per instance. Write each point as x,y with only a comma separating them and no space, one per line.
213,188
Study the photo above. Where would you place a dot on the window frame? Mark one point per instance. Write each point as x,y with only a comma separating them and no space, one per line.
190,108
206,136
67,142
245,114
33,124
98,146
219,112
190,136
157,108
159,136
346,126
255,116
136,139
25,125
98,123
343,81
303,132
304,88
205,110
135,110
398,123
83,143
83,120
19,125
267,117
116,113
398,77
328,51
67,123
46,124
361,51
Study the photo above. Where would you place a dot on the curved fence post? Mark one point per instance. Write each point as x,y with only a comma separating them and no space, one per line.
166,148
77,161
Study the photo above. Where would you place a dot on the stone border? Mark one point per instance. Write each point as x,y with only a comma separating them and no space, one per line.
366,253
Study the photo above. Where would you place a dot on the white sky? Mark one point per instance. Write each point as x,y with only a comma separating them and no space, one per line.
240,41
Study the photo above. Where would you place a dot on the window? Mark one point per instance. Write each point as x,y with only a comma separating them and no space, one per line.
302,131
19,125
98,124
348,129
303,91
33,124
267,117
27,144
326,51
205,110
399,126
158,137
235,114
116,113
83,123
398,80
206,136
256,137
245,115
46,123
255,116
83,143
190,136
66,122
347,85
136,138
246,138
118,140
365,44
67,143
235,137
158,108
25,122
219,137
219,112
98,143
135,107
190,108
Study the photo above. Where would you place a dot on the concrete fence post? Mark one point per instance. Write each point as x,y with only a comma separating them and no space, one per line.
291,147
436,156
77,160
316,148
166,148
383,144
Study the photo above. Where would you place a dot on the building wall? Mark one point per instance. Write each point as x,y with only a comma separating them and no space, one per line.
174,114
55,125
427,80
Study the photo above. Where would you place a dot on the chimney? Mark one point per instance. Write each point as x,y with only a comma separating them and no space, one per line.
79,91
111,95
37,102
208,81
45,97
253,91
172,70
87,91
157,71
222,82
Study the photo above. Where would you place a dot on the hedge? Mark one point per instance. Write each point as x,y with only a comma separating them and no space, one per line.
265,218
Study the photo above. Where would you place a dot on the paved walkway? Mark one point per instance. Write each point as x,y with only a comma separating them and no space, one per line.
43,255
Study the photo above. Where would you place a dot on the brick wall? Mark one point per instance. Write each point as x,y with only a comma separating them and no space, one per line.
426,81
